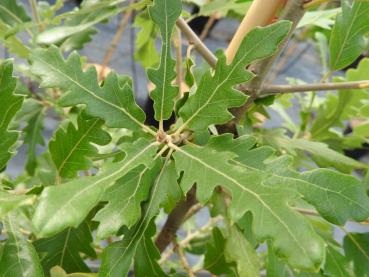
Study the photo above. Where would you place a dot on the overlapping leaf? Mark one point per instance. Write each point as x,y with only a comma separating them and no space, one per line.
124,201
216,93
164,13
71,147
356,247
273,219
33,137
240,251
10,201
118,257
338,197
64,249
11,103
73,200
347,40
18,257
113,102
12,13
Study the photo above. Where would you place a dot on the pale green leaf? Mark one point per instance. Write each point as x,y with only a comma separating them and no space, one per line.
118,257
347,40
12,13
216,93
11,103
164,13
113,102
273,218
19,258
71,147
321,18
12,43
57,271
10,201
240,251
146,51
73,200
64,249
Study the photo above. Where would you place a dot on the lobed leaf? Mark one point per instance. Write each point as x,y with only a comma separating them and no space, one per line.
347,40
337,197
113,102
72,147
64,249
33,137
72,201
12,13
356,248
11,103
165,14
215,93
18,257
273,218
10,201
124,201
118,256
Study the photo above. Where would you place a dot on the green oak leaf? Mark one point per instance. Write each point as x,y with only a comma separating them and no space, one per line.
124,201
356,248
11,42
64,249
11,103
336,264
33,137
18,258
239,250
293,238
337,197
118,257
71,147
10,201
347,40
164,13
81,195
113,102
12,13
215,261
147,255
216,92
146,52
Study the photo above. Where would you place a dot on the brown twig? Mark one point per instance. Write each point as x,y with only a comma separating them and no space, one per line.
175,220
117,37
208,25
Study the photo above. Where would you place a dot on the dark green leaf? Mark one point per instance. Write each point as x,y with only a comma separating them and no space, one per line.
164,13
71,147
356,247
11,103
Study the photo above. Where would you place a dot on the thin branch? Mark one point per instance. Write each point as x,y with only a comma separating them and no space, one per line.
314,3
182,257
196,42
209,23
175,220
35,14
293,11
281,89
117,37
